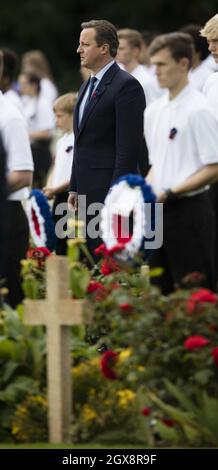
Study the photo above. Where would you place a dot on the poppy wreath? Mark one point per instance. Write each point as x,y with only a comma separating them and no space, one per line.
42,227
124,206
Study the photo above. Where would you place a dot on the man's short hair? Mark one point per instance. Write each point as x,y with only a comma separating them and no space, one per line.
180,45
133,37
65,103
210,30
105,33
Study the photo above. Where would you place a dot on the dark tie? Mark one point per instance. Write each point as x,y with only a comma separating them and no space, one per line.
91,88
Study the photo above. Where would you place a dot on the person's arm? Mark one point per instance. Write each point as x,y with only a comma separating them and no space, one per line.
149,177
51,192
129,105
206,175
19,179
42,135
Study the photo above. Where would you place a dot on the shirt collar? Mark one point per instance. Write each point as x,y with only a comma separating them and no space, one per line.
179,98
101,72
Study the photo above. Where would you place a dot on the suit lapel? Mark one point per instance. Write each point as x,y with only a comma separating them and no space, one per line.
107,78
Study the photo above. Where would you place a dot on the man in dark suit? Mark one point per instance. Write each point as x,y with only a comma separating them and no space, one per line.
108,119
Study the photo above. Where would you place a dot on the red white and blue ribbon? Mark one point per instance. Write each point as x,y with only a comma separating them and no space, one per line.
126,197
42,227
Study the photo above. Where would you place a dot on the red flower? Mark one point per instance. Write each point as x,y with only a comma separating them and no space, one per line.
101,249
195,342
94,285
109,266
125,307
146,411
214,353
39,254
200,297
101,292
168,422
107,363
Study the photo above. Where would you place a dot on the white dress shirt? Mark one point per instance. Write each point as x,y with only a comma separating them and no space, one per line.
16,142
195,141
210,90
63,160
99,76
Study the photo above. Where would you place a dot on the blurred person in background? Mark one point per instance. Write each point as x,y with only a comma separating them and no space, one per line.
59,180
9,75
35,62
128,54
144,58
19,170
200,69
40,123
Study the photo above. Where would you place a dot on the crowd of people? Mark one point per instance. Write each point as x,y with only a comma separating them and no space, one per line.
148,104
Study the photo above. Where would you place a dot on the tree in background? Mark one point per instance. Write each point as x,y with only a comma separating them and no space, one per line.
54,26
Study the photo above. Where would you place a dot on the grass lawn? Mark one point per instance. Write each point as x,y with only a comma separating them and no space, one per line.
45,445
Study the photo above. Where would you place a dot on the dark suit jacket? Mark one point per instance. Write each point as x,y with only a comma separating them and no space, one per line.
110,138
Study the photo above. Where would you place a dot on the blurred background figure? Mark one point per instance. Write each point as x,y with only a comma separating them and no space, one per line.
9,76
35,62
201,69
144,57
40,122
128,55
19,170
59,180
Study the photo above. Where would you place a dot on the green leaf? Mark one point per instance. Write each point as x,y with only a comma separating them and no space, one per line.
79,280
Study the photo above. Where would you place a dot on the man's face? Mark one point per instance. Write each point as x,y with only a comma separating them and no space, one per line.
213,48
126,53
169,72
90,52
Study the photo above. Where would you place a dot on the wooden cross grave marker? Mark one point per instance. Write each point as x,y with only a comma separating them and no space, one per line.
57,312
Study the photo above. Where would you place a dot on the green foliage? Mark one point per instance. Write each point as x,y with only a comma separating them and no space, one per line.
22,365
30,420
104,410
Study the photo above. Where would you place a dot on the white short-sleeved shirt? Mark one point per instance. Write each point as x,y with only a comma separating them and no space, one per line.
16,142
195,141
199,75
210,90
48,90
38,113
15,99
148,82
63,160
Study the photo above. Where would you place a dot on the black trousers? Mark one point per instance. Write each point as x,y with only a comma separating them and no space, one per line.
17,242
61,243
188,242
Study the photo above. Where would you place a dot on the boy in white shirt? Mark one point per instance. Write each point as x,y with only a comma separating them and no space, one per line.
210,32
181,134
60,179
